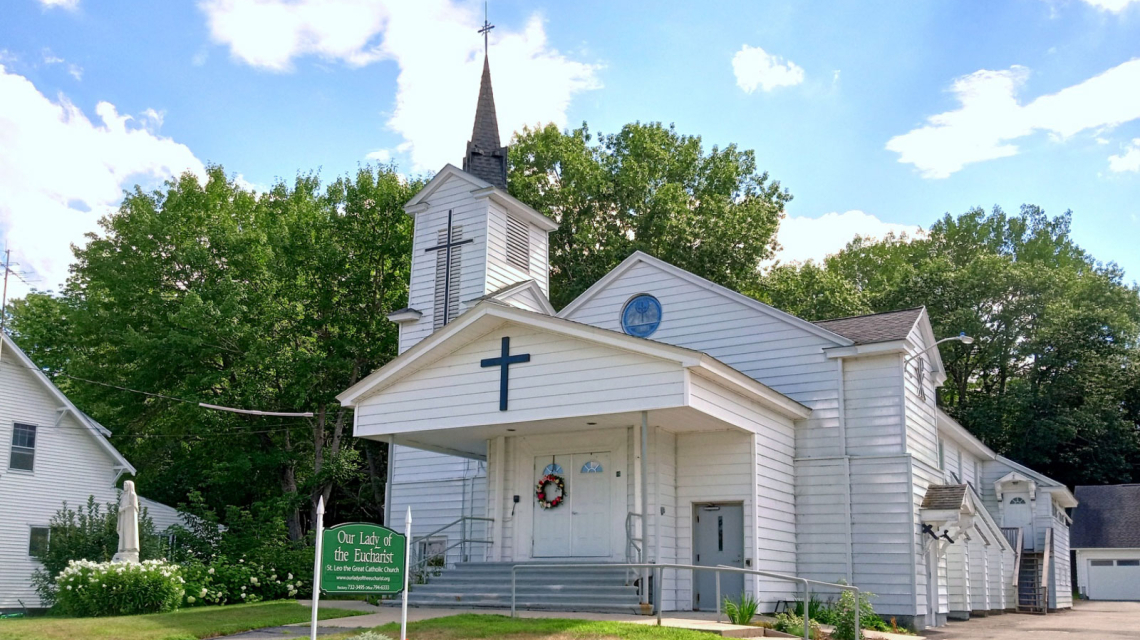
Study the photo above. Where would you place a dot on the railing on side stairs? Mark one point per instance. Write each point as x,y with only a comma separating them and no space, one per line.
421,557
659,569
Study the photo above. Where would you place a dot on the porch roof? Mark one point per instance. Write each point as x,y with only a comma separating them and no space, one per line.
554,389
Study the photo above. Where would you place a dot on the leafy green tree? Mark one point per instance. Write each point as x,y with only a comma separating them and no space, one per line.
210,293
1049,378
646,188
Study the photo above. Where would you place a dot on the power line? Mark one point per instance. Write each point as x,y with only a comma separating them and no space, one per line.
204,405
221,432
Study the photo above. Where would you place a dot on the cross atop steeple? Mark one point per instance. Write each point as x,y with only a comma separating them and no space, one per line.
486,29
485,157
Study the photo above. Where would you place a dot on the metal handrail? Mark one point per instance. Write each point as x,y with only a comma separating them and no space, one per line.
659,569
1019,549
1045,569
463,541
630,541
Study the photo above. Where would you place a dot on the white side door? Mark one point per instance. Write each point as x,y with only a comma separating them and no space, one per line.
552,527
1019,513
590,515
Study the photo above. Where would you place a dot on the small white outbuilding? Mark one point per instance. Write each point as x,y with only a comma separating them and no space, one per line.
1106,540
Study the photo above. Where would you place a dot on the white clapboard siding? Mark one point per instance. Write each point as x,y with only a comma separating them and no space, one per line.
565,377
921,413
785,357
958,577
500,271
996,573
437,503
924,475
163,516
69,466
663,493
1061,586
524,299
822,497
883,531
872,405
711,467
979,578
415,465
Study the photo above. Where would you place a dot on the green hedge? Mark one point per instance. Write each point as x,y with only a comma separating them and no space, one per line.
118,588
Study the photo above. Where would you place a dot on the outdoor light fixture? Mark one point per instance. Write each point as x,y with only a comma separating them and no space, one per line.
962,337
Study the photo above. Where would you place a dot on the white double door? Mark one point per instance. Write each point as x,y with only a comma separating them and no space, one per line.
580,526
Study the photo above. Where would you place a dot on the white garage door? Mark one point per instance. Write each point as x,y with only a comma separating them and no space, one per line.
1114,579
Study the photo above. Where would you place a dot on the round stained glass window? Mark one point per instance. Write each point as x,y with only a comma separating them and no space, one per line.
641,316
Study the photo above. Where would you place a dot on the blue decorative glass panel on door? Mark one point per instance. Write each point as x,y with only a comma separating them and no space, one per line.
592,466
641,316
552,468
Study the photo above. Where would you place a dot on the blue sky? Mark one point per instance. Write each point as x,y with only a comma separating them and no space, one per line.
876,118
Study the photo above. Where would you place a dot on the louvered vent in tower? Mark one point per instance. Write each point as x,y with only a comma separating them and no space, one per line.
518,244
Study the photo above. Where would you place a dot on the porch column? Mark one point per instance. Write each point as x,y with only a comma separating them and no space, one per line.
645,505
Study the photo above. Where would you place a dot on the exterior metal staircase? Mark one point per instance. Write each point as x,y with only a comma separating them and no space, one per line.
1032,595
488,584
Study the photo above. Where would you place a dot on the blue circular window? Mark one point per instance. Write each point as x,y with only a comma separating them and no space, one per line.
641,316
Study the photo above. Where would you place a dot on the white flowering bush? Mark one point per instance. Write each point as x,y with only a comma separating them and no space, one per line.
119,588
223,581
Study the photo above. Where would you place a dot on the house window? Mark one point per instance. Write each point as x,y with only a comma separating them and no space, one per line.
38,541
1101,563
23,447
1128,563
592,466
1017,501
518,244
554,468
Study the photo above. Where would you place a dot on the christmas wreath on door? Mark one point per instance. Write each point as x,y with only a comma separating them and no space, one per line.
543,495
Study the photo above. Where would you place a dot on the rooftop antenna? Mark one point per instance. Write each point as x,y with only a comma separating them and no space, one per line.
486,28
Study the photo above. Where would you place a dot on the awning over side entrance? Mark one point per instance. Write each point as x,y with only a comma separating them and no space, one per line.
498,370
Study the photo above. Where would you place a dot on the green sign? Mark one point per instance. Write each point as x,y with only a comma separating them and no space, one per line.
362,558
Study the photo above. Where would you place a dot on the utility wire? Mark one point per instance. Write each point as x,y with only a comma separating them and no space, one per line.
204,405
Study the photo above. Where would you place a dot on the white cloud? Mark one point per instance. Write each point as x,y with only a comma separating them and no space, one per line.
803,238
755,68
70,5
1115,6
1127,161
435,45
60,172
990,117
383,156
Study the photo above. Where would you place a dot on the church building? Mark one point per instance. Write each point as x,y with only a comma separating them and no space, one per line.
662,418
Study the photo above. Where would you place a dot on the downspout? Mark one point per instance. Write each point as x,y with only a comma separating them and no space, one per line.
847,527
388,481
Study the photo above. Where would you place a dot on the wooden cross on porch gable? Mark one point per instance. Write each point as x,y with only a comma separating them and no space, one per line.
504,361
449,243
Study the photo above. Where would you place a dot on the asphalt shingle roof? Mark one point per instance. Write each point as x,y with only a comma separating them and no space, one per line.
877,327
1108,516
944,496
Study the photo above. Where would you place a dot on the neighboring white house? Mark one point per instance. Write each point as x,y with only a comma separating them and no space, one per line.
1106,539
689,424
52,453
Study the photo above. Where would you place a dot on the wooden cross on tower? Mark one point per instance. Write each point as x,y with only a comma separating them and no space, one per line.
449,243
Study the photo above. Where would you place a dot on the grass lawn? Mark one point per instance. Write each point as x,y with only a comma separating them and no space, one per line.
472,625
186,624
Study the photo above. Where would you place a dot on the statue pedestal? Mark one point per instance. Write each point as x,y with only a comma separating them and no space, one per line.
126,556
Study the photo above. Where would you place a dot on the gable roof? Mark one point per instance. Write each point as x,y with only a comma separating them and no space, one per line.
505,293
493,313
875,327
479,189
95,429
1047,484
642,257
1108,517
944,496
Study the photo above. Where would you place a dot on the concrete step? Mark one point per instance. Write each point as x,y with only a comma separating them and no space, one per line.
452,587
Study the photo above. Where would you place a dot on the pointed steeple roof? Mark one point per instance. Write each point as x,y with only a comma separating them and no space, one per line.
485,157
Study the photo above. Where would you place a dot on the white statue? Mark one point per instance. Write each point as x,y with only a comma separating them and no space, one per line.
128,525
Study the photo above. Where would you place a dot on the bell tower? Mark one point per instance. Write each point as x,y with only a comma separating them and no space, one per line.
473,240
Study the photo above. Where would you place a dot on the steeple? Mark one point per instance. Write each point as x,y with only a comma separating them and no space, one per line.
485,158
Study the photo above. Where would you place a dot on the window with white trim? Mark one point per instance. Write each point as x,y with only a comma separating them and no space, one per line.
518,244
23,456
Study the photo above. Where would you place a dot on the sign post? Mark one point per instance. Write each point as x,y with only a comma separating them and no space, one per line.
408,555
317,566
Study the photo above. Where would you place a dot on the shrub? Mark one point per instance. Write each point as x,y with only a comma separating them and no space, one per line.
225,582
118,588
821,611
88,533
845,621
741,612
793,624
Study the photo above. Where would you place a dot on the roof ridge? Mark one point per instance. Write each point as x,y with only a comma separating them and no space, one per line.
869,315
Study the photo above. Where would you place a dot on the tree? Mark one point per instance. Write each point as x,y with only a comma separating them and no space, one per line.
1051,374
646,188
210,293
